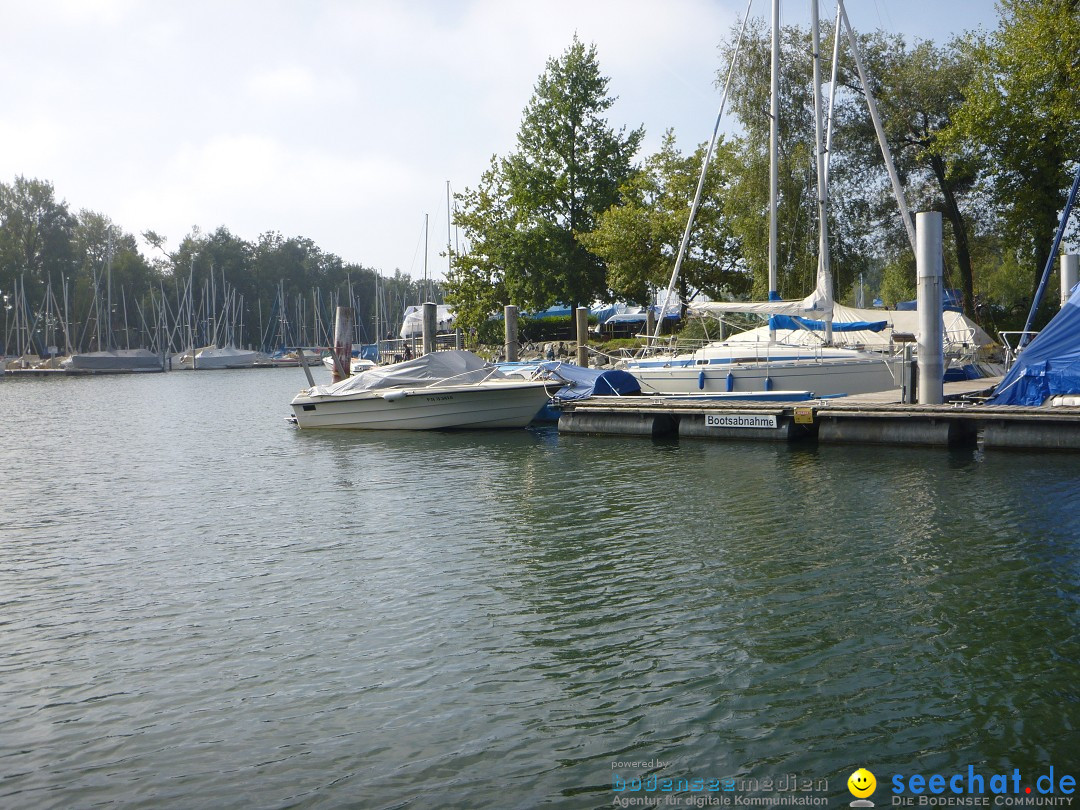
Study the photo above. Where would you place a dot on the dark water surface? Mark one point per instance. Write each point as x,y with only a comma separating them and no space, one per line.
201,606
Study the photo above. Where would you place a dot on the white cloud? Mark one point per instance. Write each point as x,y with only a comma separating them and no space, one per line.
336,119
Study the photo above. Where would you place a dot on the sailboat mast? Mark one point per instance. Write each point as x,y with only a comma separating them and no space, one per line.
824,271
774,147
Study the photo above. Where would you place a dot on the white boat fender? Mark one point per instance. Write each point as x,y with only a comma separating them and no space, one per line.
394,396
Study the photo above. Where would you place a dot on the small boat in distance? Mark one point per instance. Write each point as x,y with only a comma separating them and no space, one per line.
442,390
356,364
115,360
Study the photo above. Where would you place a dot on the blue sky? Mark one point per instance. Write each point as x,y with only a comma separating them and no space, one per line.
343,120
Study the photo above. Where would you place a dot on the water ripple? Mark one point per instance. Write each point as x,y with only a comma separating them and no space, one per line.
205,607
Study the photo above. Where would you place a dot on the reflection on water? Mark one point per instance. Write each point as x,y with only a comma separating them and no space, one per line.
202,606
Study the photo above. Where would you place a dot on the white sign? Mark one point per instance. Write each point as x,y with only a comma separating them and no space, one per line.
739,420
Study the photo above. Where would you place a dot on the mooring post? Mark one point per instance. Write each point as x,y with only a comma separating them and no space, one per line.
928,268
582,315
343,335
1070,274
430,326
510,328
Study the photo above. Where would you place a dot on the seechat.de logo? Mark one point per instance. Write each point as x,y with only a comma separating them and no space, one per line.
862,784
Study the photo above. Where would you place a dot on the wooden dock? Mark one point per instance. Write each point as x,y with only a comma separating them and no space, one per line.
878,419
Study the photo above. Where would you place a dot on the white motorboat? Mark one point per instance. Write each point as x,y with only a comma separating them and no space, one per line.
441,390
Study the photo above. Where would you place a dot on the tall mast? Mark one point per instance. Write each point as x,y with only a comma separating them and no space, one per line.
774,147
449,249
108,296
824,272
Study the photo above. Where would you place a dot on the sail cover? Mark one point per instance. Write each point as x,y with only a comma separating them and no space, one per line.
1049,365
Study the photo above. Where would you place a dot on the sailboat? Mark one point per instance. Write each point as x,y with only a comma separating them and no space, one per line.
733,366
110,358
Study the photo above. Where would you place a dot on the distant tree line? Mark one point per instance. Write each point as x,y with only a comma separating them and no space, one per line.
984,129
56,265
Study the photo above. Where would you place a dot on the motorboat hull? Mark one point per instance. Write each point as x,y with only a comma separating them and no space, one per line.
496,404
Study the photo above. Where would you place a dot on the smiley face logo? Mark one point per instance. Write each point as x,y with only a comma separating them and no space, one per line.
861,783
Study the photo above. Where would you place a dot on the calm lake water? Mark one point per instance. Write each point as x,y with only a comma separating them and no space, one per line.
201,606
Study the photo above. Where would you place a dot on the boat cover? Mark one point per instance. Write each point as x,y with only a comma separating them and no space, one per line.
117,360
586,382
450,367
1049,365
961,333
413,323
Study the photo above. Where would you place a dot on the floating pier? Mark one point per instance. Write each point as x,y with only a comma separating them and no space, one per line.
865,419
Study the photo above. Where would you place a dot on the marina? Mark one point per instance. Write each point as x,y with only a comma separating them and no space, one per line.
780,512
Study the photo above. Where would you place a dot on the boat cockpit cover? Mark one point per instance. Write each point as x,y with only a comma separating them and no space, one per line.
1049,365
449,368
585,382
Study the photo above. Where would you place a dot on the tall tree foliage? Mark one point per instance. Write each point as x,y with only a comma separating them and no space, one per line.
36,233
524,220
1022,108
918,91
639,239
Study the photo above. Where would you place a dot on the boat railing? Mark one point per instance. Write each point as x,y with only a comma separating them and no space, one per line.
1011,351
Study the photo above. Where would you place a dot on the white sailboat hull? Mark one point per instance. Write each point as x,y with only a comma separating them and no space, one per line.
723,367
494,404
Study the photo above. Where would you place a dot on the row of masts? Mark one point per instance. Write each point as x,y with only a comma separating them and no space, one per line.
180,320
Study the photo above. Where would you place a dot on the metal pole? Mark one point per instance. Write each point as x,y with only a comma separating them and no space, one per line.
774,150
894,178
824,270
928,263
1070,274
510,331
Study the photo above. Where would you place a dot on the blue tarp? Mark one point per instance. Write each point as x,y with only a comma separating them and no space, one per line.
587,382
951,300
1049,365
795,322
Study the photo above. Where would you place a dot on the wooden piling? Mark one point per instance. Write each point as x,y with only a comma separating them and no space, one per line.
582,315
343,335
510,333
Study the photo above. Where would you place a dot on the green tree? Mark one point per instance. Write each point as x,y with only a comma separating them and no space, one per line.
918,91
1022,107
639,239
524,220
35,235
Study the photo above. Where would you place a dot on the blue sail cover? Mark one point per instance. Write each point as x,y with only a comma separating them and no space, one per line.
1049,365
796,322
